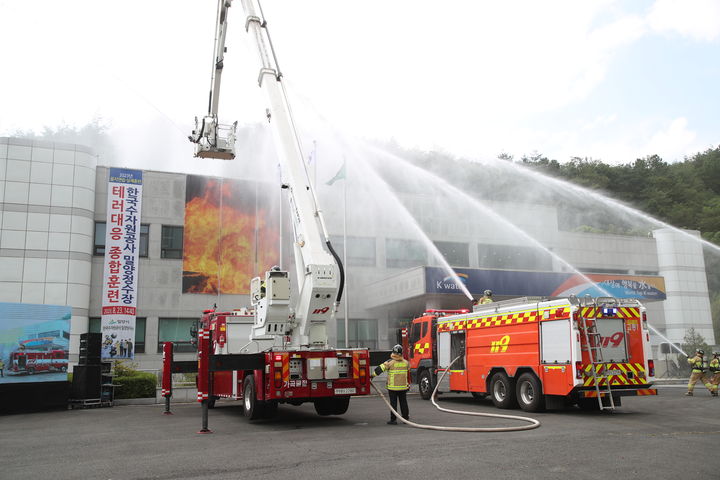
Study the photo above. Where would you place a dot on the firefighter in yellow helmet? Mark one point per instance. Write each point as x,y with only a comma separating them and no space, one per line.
698,372
485,299
715,371
398,371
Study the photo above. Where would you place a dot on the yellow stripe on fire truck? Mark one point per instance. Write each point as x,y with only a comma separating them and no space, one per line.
621,312
421,347
629,374
503,319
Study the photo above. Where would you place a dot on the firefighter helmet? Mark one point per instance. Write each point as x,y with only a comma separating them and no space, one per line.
397,349
487,293
275,268
701,352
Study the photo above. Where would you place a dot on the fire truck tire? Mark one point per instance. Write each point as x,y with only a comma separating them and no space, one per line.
502,391
252,409
211,401
269,409
30,371
529,393
332,406
425,386
340,405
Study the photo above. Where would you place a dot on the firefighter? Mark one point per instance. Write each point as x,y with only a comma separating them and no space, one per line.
715,370
398,371
2,368
698,372
486,298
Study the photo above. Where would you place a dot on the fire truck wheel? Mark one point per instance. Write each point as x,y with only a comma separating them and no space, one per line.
425,385
270,409
502,389
30,371
340,405
323,406
212,400
252,409
529,393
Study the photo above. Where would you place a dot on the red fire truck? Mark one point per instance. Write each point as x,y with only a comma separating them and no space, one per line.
541,354
37,361
262,380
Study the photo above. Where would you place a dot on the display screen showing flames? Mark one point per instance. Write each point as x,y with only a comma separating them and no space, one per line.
231,234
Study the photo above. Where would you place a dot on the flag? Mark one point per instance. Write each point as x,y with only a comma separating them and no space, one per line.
340,175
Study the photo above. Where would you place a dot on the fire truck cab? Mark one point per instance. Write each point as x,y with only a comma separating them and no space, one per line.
537,354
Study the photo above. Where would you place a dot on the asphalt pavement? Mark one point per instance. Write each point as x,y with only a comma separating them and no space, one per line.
668,436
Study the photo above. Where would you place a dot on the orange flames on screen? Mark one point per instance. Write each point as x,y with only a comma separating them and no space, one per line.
219,242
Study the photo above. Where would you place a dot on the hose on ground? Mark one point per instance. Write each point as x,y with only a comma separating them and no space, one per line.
533,423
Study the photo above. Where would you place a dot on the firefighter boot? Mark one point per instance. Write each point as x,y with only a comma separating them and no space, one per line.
689,394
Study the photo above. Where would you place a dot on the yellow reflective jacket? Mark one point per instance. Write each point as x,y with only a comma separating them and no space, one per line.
715,365
696,363
397,369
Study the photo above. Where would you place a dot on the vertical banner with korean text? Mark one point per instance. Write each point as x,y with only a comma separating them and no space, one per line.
122,247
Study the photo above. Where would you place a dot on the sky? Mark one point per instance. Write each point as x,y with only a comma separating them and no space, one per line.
608,80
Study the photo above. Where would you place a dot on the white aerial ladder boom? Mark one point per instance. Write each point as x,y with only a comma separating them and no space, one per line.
211,138
320,275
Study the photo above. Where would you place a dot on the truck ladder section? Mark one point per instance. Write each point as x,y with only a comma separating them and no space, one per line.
594,349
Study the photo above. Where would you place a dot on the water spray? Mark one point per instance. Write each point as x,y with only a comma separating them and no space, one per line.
664,337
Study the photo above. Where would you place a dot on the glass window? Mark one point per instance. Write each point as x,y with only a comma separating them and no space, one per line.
171,245
457,349
401,253
176,330
362,332
455,253
99,247
513,257
361,250
140,322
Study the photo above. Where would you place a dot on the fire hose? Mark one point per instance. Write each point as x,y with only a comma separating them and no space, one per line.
533,423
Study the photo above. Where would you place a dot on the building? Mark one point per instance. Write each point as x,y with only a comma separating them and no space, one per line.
53,200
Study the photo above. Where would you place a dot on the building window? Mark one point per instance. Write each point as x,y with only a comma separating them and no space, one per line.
360,253
362,332
140,322
604,270
401,253
99,247
176,330
456,254
513,257
171,245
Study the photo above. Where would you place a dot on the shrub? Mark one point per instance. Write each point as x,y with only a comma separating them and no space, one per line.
137,385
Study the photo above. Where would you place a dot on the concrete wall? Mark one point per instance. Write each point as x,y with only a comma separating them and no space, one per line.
46,212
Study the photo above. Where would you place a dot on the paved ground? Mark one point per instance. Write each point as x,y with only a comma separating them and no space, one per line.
669,436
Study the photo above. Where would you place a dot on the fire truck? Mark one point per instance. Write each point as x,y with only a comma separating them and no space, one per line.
37,361
535,354
275,351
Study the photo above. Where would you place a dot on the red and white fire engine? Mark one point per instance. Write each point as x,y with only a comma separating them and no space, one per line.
276,351
539,354
37,361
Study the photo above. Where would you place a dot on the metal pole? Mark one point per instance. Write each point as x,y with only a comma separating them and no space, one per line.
345,249
167,406
205,428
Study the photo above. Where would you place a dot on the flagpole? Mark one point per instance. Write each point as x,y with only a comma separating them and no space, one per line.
345,249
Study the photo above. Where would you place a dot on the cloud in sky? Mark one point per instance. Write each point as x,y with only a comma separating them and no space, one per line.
472,78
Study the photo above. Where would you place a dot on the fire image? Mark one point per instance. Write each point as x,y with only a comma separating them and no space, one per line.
231,235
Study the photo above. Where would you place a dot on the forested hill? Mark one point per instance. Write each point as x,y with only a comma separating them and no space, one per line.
684,194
